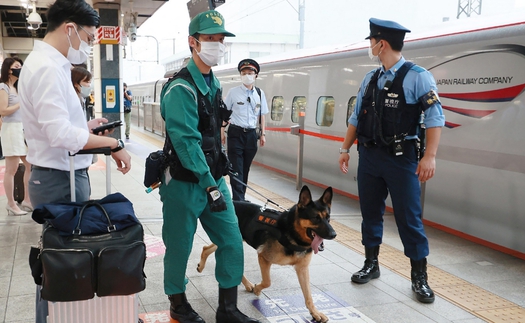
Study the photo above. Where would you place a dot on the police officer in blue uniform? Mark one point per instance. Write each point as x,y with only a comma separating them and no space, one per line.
395,103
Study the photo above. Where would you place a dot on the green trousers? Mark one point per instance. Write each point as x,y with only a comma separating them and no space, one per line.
183,204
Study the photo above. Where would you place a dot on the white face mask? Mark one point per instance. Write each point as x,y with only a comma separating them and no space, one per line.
211,52
78,56
85,91
248,79
370,52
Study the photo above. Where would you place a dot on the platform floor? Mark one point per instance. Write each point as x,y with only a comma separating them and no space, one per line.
472,283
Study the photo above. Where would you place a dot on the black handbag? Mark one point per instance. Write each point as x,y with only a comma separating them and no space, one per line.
76,266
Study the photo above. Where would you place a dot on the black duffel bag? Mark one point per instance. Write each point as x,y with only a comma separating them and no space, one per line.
78,265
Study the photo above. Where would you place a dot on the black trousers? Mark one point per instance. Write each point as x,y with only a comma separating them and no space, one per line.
242,147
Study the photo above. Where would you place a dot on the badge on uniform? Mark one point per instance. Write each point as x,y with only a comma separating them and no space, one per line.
240,103
429,99
398,147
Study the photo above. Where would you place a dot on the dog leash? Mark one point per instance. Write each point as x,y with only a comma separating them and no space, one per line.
234,176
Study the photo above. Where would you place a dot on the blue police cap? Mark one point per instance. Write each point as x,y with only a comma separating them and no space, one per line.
381,28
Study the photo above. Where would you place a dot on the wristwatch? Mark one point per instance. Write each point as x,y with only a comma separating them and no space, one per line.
120,145
341,150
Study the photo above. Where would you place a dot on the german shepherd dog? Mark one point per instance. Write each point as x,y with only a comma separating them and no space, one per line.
286,238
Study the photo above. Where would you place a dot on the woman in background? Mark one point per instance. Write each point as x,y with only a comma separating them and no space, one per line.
81,79
12,135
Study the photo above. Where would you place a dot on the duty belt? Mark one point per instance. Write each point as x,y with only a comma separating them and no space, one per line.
370,144
242,128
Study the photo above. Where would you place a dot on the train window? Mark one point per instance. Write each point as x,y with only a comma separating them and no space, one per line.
350,109
325,111
298,104
277,108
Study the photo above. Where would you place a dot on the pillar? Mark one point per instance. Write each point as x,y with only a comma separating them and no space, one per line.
107,63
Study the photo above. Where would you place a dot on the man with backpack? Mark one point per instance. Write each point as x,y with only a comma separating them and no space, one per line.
248,105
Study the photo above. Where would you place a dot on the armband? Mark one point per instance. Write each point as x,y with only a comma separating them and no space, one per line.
429,99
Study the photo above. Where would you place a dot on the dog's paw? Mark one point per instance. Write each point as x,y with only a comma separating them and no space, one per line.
319,317
199,269
257,289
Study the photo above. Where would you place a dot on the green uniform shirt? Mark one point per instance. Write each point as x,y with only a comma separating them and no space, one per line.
179,108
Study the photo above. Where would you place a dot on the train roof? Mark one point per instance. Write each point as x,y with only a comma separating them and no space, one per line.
456,27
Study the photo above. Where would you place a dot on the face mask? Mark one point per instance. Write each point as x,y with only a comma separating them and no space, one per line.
248,79
16,72
85,91
211,52
78,56
370,52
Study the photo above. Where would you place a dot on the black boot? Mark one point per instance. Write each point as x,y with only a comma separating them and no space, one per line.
419,281
371,268
181,310
228,311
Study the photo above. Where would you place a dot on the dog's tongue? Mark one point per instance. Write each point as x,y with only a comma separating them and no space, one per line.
316,243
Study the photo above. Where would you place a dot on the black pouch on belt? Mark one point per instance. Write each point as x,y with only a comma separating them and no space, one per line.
155,165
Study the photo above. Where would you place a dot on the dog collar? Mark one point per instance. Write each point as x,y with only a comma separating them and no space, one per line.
285,242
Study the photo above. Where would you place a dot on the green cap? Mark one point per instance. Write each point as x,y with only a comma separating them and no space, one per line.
209,23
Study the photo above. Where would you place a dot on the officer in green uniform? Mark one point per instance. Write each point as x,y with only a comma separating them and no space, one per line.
193,186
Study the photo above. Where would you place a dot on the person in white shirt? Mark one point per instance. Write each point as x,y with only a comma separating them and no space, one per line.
248,105
53,119
12,136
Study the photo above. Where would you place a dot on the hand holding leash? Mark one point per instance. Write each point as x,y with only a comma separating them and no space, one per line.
216,199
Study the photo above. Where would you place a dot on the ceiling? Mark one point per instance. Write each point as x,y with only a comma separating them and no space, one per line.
13,15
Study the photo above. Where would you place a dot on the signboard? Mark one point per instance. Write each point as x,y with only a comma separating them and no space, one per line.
110,96
197,6
108,35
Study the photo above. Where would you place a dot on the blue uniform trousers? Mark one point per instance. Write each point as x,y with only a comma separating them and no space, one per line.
242,147
183,204
379,173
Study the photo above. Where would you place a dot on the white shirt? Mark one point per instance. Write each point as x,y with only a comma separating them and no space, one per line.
245,112
53,119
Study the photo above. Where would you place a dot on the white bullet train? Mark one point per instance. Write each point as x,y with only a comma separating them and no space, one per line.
478,191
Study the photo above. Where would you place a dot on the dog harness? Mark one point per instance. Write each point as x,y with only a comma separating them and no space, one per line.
271,222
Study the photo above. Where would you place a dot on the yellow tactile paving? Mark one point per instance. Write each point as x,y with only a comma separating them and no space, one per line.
472,298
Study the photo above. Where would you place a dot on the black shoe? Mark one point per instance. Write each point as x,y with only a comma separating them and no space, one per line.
369,271
371,268
182,311
420,286
228,311
127,136
2,157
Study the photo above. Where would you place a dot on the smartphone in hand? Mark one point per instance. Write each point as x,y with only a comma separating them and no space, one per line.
107,126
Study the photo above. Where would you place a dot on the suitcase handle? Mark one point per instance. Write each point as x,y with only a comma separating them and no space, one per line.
103,150
95,151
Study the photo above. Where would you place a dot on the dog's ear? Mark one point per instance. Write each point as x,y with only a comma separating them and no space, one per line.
326,198
305,197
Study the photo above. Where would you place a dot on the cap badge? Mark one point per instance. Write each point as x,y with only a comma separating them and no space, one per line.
216,19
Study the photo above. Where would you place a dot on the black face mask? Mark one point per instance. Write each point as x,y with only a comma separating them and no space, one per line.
16,71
